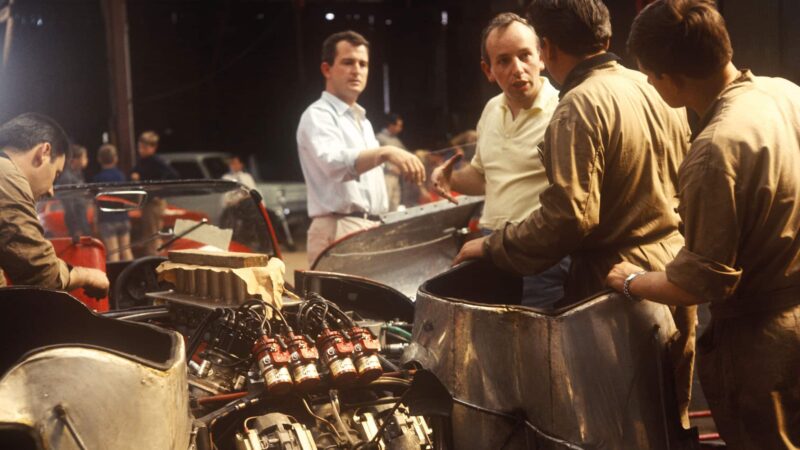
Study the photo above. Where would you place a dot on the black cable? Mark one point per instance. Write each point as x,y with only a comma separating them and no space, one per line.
248,400
201,329
271,306
279,313
147,315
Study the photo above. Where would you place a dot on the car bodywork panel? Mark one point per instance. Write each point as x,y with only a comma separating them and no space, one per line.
588,375
410,247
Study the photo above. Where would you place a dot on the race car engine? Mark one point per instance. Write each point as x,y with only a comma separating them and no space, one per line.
308,375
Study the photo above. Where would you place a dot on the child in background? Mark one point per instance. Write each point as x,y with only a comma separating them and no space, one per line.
115,227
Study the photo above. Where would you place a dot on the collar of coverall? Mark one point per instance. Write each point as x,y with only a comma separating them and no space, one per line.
745,76
582,69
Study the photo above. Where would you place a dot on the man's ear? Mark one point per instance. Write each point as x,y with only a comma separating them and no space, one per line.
677,80
540,60
548,50
487,70
325,68
42,153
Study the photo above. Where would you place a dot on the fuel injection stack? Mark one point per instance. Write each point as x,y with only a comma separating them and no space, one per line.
325,342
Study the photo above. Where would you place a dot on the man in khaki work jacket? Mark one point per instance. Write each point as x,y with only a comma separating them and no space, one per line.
739,189
611,153
32,154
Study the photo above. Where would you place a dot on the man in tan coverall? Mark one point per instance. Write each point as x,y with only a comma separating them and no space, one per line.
611,153
739,189
32,155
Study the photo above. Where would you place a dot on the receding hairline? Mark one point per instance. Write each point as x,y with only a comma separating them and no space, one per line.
503,29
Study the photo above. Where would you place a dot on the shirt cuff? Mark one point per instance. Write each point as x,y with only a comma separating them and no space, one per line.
702,276
495,252
349,158
64,270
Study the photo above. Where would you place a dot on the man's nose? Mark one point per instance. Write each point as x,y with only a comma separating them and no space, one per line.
517,65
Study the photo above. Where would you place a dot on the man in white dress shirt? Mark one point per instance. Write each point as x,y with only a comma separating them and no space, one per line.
339,155
238,174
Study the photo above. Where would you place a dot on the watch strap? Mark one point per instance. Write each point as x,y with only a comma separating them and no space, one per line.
626,286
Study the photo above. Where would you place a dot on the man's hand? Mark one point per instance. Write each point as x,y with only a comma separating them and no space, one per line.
410,166
94,282
471,250
441,177
616,278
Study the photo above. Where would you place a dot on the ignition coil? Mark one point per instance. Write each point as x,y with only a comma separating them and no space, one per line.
273,362
365,352
336,352
303,361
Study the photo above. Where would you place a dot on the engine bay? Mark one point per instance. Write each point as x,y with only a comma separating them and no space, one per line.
307,375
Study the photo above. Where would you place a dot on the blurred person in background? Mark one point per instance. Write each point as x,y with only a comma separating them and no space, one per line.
389,135
238,174
114,227
75,209
151,167
465,143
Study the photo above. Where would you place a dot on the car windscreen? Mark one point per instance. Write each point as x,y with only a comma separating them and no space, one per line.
216,166
169,216
188,170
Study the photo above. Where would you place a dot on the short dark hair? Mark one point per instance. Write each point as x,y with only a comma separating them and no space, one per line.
107,154
577,27
76,151
26,131
329,44
392,118
685,37
500,21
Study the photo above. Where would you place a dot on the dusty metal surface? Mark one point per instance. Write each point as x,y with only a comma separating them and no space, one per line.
112,401
411,247
588,376
77,380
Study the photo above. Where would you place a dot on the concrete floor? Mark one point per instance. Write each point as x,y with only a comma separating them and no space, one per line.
295,260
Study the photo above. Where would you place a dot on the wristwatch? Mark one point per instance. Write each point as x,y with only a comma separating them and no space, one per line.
626,286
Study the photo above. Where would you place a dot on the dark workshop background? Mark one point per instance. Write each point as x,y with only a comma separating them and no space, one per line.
235,75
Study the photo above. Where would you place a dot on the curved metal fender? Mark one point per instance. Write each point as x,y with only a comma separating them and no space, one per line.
592,375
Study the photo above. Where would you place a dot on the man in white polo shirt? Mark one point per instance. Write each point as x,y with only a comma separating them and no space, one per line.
339,155
507,168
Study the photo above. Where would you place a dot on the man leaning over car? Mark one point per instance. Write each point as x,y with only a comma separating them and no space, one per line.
32,154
